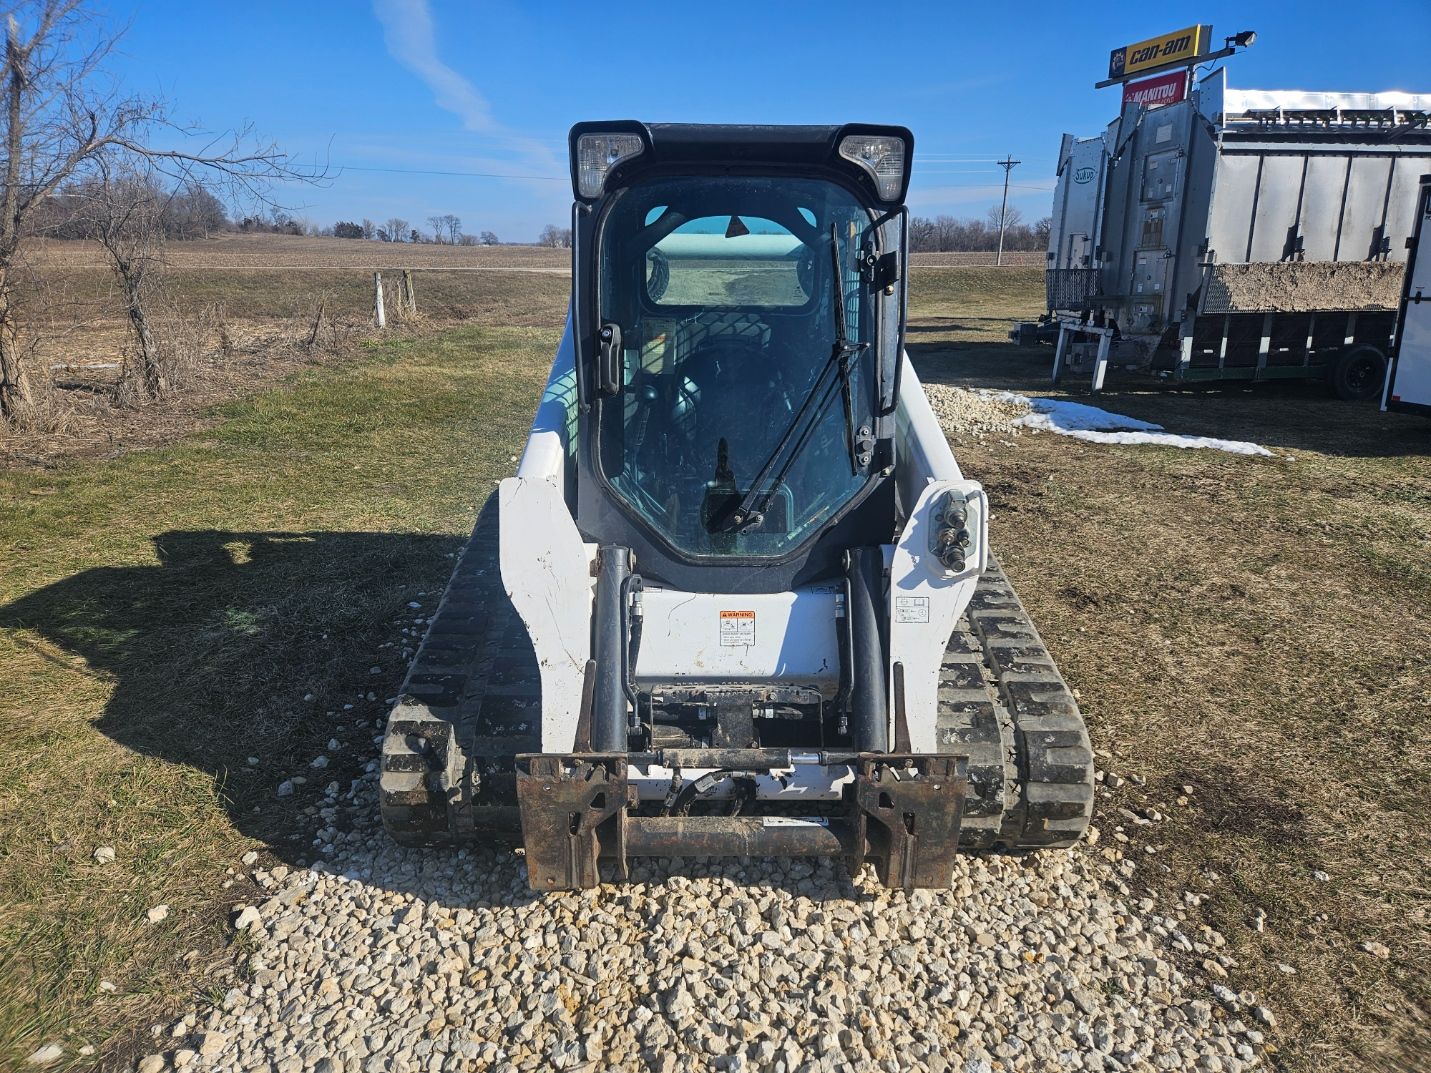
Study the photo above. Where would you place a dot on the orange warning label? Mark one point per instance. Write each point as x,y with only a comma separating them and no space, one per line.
737,627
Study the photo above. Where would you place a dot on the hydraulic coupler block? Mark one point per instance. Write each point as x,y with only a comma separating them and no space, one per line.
956,524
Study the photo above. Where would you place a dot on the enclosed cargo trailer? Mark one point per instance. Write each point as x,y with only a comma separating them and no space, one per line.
1408,378
1244,235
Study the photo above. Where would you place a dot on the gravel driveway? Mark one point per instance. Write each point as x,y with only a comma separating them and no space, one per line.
381,958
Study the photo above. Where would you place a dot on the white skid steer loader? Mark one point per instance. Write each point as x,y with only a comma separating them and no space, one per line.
738,599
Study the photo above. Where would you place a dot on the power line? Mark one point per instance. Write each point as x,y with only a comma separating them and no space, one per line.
456,174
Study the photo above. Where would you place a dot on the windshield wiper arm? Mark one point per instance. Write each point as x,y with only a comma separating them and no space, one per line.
751,510
844,353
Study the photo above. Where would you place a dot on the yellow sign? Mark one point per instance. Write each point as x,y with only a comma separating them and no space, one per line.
1180,46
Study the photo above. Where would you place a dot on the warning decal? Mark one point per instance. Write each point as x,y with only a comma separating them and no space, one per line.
737,627
911,609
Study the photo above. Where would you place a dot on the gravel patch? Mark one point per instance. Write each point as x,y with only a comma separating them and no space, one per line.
380,958
975,413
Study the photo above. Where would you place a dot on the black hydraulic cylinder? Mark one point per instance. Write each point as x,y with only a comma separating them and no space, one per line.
608,645
869,697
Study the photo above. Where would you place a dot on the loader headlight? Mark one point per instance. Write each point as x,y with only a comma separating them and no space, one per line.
597,154
880,155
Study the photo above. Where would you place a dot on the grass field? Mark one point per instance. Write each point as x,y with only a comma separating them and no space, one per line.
1252,628
165,615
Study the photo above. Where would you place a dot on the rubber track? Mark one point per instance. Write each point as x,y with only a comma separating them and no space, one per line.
1002,700
471,702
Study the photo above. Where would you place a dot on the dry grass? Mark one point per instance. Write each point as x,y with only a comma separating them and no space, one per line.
164,615
230,331
1254,629
1012,259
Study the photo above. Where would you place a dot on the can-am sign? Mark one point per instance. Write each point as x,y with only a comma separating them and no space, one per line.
1152,92
1180,46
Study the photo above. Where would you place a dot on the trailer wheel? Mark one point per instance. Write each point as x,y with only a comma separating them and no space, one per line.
1357,374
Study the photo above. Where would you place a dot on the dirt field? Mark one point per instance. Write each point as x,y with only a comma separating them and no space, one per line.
1012,259
1252,629
294,251
245,287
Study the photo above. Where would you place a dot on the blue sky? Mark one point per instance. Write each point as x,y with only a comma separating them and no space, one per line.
473,86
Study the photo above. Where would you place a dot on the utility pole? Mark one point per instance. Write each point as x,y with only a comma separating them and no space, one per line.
1008,164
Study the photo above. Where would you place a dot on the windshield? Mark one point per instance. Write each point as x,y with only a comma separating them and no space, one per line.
741,410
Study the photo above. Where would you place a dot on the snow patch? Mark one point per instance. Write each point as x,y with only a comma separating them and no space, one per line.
1089,423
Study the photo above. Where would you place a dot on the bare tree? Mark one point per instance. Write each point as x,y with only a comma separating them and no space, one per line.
124,210
555,237
1012,217
453,224
489,238
60,119
194,212
370,229
921,233
397,229
439,227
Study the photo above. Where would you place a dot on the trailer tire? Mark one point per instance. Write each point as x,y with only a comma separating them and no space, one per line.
1357,374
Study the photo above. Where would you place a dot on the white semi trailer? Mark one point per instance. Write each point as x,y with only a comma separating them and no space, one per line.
1236,235
1408,377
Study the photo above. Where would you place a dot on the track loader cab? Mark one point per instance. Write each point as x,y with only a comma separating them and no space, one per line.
739,321
738,598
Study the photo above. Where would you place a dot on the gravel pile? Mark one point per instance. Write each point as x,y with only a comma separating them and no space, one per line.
381,958
1305,286
974,413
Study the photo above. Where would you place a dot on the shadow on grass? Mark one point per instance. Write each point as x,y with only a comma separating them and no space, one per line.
251,644
264,644
932,325
1289,414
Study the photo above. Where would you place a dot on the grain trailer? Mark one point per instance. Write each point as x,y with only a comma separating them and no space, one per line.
1236,235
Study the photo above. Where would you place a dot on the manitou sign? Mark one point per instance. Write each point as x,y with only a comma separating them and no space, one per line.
1153,92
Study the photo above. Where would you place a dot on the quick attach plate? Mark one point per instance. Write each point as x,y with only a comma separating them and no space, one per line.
904,815
573,813
909,809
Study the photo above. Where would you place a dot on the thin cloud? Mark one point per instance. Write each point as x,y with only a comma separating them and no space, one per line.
411,40
409,35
